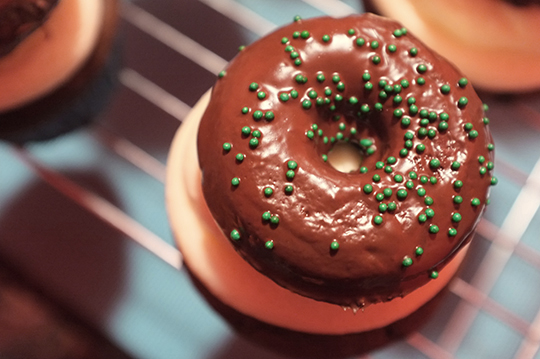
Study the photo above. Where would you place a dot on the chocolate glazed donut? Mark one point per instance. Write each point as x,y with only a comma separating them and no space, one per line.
346,238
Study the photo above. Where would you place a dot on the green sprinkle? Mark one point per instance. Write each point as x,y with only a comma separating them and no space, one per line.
392,48
421,68
324,157
297,18
246,130
388,169
304,34
475,202
463,101
266,216
240,157
422,218
363,169
235,235
268,191
334,245
458,199
456,217
494,181
444,116
443,126
413,175
424,179
253,86
413,51
261,95
409,184
434,163
421,81
269,115
455,165
419,251
374,44
387,192
360,41
310,134
402,194
463,82
473,134
368,188
377,220
376,178
289,189
257,115
376,59
458,184
398,112
227,146
290,174
428,201
269,244
326,38
445,89
420,148
403,152
405,83
235,181
292,165
294,93
284,97
296,34
433,229
379,197
340,86
222,74
407,262
398,178
351,32
392,206
434,275
421,192
256,133
482,170
245,110
274,219
405,121
430,213
306,104
254,142
452,232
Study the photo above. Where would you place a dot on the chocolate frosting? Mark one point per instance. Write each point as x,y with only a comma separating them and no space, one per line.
345,238
19,18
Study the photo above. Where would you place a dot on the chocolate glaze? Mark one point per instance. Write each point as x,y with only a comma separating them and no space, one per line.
19,18
327,205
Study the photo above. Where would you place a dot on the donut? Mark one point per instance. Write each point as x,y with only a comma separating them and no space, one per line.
272,224
56,66
492,41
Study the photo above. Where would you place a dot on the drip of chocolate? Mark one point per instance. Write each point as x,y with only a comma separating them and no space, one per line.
19,18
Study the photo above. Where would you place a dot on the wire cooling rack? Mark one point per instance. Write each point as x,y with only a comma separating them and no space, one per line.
84,215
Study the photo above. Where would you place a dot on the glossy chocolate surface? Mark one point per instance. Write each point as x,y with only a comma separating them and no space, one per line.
18,18
328,242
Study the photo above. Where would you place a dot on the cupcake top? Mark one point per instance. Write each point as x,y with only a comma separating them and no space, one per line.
19,18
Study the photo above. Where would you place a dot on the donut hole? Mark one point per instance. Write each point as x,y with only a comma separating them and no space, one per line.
346,157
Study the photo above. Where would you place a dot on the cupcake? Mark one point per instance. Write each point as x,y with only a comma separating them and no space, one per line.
477,36
56,67
283,230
